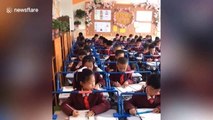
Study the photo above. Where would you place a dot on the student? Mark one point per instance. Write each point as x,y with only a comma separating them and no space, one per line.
130,37
77,62
95,38
79,46
108,47
148,39
118,80
150,100
117,37
138,46
152,55
95,103
118,54
88,50
89,62
157,43
80,37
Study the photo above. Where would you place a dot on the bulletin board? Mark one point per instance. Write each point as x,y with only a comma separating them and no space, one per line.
127,14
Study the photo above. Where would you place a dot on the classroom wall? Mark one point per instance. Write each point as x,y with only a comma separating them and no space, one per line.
66,7
80,4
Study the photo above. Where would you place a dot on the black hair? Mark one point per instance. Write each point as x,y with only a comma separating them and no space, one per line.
109,42
105,40
80,34
87,49
117,45
146,46
151,46
140,37
130,35
81,77
82,52
122,60
118,52
117,34
88,58
96,35
139,40
157,38
136,36
154,81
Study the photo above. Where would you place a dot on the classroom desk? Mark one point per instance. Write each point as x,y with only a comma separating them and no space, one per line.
131,87
64,96
146,116
108,115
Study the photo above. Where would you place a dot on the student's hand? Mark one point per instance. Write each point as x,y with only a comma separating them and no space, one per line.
117,84
90,113
110,70
75,113
132,111
70,65
97,86
156,110
149,60
126,83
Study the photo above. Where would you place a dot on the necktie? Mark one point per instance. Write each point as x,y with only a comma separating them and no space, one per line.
151,100
122,79
86,102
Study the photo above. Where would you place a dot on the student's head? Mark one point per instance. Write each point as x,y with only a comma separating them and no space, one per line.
117,36
117,47
85,80
122,64
109,43
140,37
153,84
88,61
130,35
80,34
146,48
87,49
119,54
138,43
152,48
157,42
81,54
105,42
124,38
136,37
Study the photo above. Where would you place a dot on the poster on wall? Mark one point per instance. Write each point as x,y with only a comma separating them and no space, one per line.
143,28
144,16
102,15
102,27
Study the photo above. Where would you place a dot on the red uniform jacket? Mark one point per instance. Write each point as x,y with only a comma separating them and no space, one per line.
97,103
141,101
117,77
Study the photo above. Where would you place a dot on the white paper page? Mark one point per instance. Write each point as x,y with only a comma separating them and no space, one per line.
136,75
70,75
97,14
108,115
136,87
146,116
144,16
82,116
102,26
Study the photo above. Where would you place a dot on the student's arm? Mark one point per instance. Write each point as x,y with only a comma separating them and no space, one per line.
157,109
130,104
129,78
102,105
66,106
113,80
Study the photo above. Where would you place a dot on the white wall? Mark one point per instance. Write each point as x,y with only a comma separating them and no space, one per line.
67,9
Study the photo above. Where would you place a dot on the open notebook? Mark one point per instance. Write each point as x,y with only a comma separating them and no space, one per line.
108,115
146,116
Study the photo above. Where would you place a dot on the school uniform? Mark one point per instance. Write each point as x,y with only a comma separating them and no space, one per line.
95,102
138,50
142,101
152,57
99,79
76,65
121,78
